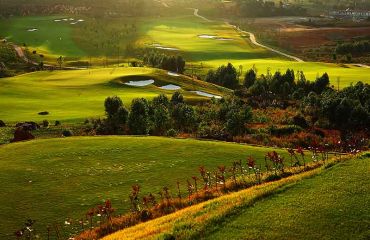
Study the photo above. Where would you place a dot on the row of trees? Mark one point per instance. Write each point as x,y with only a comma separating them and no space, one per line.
256,8
346,109
286,85
355,48
163,61
220,119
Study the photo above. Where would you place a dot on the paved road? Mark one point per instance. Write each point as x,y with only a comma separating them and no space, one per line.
252,38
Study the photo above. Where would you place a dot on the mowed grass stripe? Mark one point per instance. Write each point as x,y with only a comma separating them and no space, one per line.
52,180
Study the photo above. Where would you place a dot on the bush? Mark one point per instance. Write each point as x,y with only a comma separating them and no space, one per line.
172,133
57,123
45,123
67,133
44,113
285,130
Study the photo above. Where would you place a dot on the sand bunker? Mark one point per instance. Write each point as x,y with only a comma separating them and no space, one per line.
80,20
224,39
204,94
159,46
57,20
142,83
214,37
206,36
173,74
32,30
171,87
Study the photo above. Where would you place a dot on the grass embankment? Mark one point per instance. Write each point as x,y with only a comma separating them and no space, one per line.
322,203
71,95
54,180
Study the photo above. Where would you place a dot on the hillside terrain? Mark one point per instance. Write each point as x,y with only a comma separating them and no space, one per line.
325,204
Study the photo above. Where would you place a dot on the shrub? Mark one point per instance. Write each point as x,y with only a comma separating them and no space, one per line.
285,130
44,113
172,133
57,123
67,133
45,123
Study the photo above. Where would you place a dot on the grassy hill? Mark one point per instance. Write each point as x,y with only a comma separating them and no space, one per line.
321,204
71,95
54,180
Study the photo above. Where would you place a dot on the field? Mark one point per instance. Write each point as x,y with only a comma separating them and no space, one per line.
76,95
181,33
326,203
63,178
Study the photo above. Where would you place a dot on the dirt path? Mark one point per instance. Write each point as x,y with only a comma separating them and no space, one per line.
252,38
196,13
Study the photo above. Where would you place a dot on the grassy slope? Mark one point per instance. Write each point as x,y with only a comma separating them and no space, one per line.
71,175
327,204
330,206
80,94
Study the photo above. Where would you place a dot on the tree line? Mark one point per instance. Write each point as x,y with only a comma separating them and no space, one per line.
220,119
355,48
163,61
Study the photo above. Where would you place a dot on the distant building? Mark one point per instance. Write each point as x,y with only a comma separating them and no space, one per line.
348,13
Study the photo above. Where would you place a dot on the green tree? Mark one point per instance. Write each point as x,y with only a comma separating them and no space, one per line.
138,120
250,78
177,98
112,104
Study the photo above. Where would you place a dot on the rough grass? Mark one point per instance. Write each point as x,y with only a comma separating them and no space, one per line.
71,95
53,180
320,204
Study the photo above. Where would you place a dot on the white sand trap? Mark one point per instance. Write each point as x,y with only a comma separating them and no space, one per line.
159,46
171,87
32,30
73,23
65,19
206,36
167,48
71,19
204,94
80,20
173,74
224,39
140,83
57,20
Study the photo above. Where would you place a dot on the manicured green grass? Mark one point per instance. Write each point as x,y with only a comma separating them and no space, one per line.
183,32
52,180
81,41
71,95
53,37
333,205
